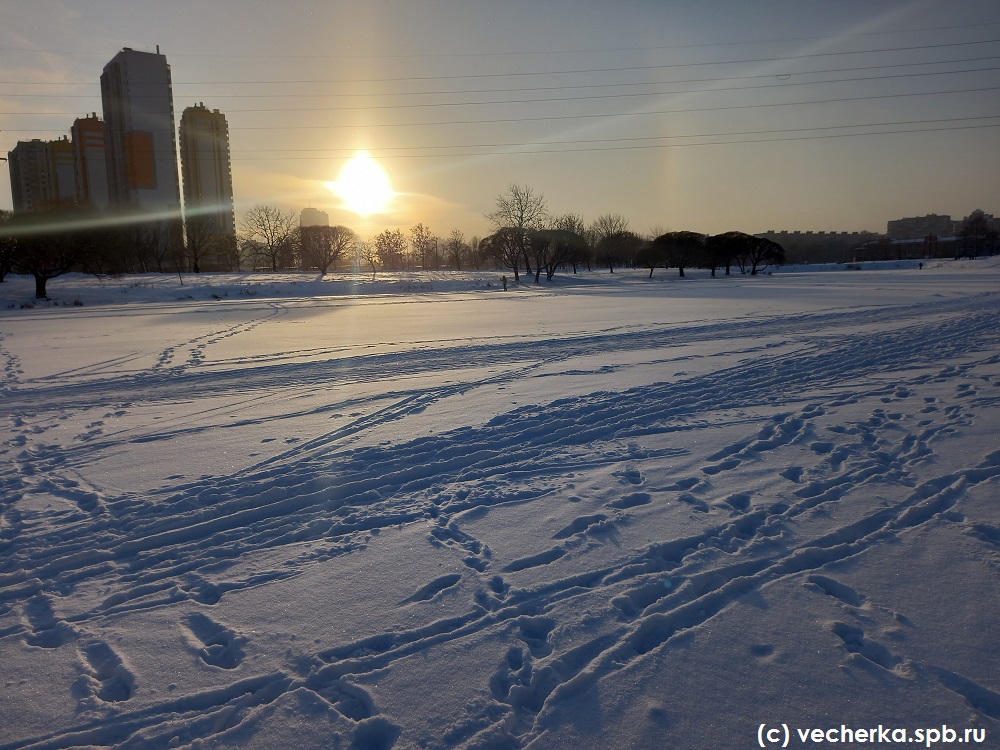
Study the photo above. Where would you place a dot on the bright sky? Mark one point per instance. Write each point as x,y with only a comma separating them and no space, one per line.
704,115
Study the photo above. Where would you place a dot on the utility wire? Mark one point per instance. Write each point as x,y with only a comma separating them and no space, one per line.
536,73
631,147
524,53
383,150
605,115
593,97
450,92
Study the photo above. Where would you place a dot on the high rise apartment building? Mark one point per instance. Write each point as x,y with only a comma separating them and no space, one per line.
87,137
207,170
63,171
313,217
919,227
140,145
30,182
42,174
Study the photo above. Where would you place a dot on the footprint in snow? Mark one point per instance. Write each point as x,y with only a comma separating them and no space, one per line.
215,644
105,675
432,589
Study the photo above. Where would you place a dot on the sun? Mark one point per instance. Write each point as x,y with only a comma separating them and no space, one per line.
363,186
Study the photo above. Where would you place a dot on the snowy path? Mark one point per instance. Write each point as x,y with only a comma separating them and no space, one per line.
617,534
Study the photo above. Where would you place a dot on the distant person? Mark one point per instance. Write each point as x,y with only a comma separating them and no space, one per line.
504,280
920,266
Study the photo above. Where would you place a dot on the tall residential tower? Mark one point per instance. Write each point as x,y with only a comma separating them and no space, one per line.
208,178
42,174
87,135
140,146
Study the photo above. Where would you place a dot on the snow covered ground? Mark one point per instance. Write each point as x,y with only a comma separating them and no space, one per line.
268,511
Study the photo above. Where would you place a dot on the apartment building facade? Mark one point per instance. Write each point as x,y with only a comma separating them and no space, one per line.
140,141
207,169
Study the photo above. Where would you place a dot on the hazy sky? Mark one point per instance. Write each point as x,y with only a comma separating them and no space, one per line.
707,115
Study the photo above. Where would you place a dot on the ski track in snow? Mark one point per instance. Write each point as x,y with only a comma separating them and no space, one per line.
831,413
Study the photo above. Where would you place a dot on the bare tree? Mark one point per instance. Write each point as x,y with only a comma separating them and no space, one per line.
520,208
423,245
651,255
552,248
475,252
610,236
976,234
680,249
7,245
369,254
49,243
270,232
506,248
390,245
322,247
761,252
229,251
573,223
199,229
456,249
722,250
155,242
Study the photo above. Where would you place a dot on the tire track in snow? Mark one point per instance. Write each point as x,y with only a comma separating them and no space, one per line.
509,441
153,385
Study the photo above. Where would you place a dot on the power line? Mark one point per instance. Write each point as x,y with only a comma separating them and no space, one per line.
536,73
593,97
640,147
447,92
605,115
525,53
384,150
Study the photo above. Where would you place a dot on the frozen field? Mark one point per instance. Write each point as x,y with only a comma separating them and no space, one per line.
269,511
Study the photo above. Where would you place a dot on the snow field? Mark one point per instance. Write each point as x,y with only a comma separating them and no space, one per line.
601,513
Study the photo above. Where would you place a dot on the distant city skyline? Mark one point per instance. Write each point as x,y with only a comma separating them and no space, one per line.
706,116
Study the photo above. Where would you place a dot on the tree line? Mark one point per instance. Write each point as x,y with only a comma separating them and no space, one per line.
528,237
525,238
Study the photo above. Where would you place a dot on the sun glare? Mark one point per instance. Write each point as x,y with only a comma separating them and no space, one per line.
363,186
